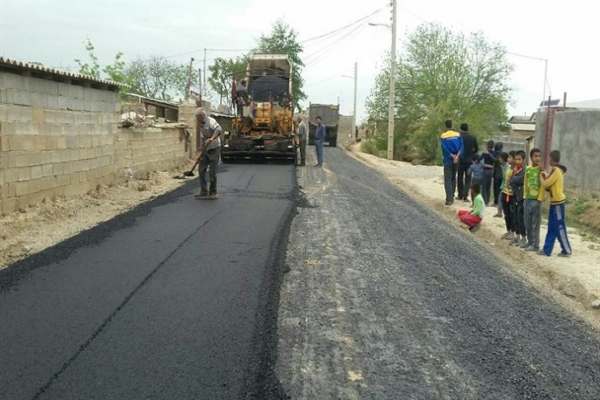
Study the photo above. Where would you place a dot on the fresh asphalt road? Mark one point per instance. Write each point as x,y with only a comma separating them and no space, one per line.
385,300
172,300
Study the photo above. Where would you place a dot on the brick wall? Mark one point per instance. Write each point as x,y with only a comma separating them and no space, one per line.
58,139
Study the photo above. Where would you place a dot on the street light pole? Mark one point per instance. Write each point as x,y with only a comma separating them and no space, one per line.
353,137
392,99
204,74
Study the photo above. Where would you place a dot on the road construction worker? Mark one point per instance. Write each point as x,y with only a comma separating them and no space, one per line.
320,136
301,135
209,135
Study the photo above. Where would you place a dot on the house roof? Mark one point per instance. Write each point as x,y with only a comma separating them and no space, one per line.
523,127
594,103
522,119
44,72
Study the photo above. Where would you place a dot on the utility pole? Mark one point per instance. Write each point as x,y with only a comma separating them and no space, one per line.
392,100
200,85
204,74
189,82
545,79
353,135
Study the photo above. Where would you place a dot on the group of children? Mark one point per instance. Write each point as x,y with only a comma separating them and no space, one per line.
524,189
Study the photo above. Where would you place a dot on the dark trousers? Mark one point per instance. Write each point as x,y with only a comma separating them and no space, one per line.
557,229
533,218
464,180
210,162
302,152
450,181
486,187
497,185
508,214
518,216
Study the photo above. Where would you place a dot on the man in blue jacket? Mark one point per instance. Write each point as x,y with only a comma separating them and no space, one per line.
452,149
320,136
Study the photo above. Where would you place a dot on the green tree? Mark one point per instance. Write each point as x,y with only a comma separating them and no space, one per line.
91,67
284,40
158,78
442,74
222,74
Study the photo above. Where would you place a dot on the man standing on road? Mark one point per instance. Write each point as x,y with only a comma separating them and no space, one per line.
452,148
470,148
320,135
208,132
301,140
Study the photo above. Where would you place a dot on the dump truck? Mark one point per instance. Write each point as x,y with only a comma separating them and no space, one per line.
329,114
264,127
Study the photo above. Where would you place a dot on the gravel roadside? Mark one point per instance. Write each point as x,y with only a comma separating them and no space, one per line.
385,299
575,282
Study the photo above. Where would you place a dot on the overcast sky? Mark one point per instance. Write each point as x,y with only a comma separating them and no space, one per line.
52,32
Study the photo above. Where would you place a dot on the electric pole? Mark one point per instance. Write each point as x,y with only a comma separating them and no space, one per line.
189,82
204,74
353,137
392,100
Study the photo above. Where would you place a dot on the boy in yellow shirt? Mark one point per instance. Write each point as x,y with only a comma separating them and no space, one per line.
553,181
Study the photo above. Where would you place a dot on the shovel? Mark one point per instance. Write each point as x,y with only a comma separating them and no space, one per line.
190,173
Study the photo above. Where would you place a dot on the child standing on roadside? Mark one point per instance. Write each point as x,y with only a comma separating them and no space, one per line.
534,196
472,218
506,198
488,159
504,166
517,181
553,181
476,171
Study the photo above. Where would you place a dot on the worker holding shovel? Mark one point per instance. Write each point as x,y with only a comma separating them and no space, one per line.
208,134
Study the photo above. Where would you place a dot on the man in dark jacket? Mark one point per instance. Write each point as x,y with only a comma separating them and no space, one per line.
452,147
320,136
470,148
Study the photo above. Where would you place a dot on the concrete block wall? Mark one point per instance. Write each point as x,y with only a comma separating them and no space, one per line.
138,151
58,139
576,134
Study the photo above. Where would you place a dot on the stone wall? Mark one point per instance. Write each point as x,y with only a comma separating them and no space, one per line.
59,139
576,133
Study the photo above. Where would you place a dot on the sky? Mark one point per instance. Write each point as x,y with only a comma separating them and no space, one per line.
53,31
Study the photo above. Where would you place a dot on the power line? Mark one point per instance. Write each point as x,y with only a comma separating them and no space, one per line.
315,57
343,27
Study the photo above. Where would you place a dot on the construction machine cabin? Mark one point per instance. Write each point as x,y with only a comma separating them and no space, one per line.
263,127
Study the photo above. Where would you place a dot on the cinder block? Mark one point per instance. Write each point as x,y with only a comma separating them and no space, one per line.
37,172
47,170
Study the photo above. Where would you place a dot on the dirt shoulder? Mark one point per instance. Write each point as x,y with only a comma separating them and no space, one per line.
33,229
575,281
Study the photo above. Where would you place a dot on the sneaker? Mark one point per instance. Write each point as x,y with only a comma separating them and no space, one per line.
524,243
516,241
507,236
449,202
563,254
213,196
201,195
542,253
532,249
498,215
